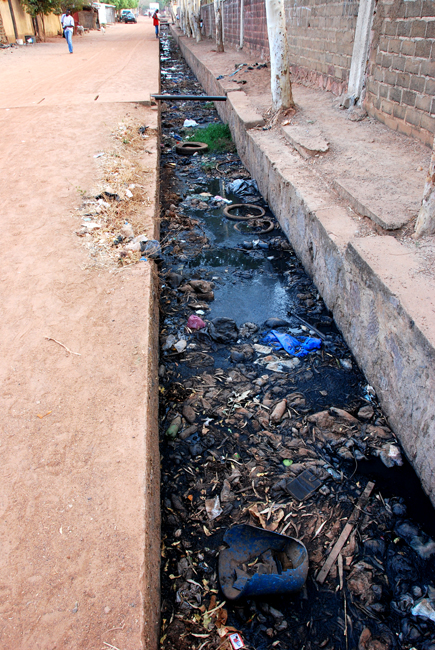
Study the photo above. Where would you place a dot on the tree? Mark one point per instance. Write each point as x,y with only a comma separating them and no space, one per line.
41,8
280,83
426,217
218,21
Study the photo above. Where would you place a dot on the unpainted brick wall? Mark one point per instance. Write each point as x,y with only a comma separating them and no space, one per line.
320,36
208,21
401,79
255,27
231,21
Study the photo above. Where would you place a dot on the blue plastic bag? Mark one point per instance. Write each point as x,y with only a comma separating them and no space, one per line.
292,345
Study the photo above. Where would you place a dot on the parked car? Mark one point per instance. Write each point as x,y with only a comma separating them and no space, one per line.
129,18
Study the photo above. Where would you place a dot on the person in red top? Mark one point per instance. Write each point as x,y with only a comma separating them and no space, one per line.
156,22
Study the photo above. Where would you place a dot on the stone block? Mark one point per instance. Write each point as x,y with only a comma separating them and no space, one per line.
404,28
430,29
413,9
417,83
390,27
412,65
428,122
390,77
399,111
394,45
427,9
383,91
413,117
395,94
408,47
430,87
386,60
418,28
379,74
403,79
386,107
423,103
427,68
242,106
409,97
423,49
398,63
383,44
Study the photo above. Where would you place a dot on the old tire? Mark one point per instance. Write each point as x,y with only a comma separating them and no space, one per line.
189,148
228,208
266,229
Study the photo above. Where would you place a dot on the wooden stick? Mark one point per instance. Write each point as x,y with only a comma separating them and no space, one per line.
64,346
321,576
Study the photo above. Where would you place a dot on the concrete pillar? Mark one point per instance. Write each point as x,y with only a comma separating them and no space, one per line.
242,7
360,50
11,9
426,217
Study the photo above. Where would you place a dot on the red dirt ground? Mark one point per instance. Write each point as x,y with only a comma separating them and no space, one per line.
76,483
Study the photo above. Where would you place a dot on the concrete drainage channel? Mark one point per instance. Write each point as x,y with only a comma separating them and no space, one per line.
266,421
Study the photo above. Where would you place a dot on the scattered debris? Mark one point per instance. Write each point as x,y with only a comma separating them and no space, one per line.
260,439
49,338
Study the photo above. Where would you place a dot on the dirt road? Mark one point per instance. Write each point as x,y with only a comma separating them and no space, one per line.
78,463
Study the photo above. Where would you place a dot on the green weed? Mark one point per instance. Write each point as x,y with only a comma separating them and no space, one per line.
217,136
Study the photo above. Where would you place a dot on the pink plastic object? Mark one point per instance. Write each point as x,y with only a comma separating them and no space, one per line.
236,641
195,322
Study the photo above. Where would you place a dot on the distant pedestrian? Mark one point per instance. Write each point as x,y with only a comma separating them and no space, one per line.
62,18
156,22
68,25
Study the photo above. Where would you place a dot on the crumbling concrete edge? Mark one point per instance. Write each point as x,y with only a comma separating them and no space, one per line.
152,534
152,508
391,345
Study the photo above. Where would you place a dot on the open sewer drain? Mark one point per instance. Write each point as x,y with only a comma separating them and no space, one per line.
241,420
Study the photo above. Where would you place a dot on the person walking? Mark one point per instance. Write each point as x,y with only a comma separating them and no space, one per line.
62,18
156,22
68,25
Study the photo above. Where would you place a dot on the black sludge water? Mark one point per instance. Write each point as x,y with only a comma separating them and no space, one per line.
241,419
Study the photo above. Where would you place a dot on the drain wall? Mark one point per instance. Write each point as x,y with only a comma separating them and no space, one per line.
393,345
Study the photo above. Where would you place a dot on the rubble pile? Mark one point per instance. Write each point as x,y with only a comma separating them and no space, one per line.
266,421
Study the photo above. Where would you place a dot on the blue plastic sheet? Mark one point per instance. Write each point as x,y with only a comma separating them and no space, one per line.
292,345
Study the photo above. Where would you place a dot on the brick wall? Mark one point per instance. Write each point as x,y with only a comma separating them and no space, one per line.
401,78
208,21
231,20
255,27
320,37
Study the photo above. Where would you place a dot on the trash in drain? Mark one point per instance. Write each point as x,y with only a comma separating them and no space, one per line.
260,562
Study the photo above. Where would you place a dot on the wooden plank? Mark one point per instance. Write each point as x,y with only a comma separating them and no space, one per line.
321,576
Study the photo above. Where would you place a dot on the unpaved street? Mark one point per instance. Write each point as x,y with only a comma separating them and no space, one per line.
76,465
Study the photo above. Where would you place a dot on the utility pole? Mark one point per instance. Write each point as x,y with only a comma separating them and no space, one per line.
11,9
280,83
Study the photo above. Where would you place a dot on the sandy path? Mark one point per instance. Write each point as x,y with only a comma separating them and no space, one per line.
75,485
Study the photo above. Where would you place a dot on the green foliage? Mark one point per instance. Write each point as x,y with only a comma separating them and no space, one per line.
37,7
125,4
71,5
217,136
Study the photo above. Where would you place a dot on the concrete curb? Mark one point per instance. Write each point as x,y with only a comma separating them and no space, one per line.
151,573
384,309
